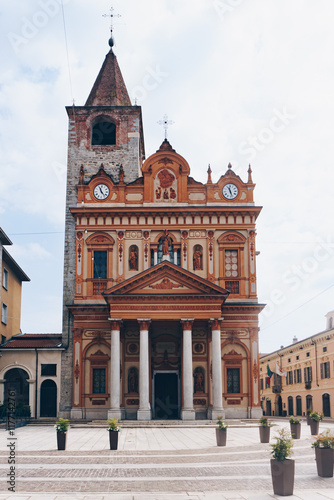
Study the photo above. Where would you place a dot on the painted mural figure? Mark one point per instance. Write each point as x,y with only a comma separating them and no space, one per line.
133,381
199,380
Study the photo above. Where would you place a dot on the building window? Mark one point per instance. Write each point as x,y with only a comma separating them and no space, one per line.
233,380
4,314
100,264
325,370
99,380
297,358
289,360
289,379
231,264
5,279
261,384
297,376
290,405
309,403
49,370
299,406
308,374
307,354
104,134
326,405
324,349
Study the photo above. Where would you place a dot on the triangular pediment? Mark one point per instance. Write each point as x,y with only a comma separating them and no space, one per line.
166,279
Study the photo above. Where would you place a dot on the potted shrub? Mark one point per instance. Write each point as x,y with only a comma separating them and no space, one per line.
62,426
324,453
295,427
282,468
264,430
308,418
113,429
221,432
315,417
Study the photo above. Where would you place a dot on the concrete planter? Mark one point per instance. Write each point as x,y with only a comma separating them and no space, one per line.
61,440
221,437
314,426
264,434
113,439
283,476
324,459
295,430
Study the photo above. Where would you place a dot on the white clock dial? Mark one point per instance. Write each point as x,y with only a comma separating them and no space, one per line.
101,191
230,191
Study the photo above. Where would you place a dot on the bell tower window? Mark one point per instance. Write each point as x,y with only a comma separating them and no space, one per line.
104,133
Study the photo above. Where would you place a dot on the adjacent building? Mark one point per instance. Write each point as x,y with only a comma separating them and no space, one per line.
160,297
307,381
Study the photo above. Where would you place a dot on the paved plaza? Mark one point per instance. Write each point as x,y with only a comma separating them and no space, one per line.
153,463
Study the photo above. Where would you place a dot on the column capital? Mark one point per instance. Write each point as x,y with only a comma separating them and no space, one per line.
144,323
187,323
115,323
215,323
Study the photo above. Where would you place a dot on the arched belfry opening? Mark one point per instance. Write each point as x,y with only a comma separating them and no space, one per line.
104,133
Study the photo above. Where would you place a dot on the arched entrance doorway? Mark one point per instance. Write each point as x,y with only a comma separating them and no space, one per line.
278,406
48,407
290,405
268,407
326,405
16,381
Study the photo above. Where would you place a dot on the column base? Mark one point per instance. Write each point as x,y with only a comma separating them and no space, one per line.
214,413
187,414
115,413
144,415
76,414
255,412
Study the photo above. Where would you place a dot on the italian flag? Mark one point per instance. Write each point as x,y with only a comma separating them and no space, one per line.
269,374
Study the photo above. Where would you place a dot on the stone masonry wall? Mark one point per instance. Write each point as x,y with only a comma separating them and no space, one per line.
129,152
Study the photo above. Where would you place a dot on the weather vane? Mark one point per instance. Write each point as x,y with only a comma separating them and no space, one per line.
165,123
111,15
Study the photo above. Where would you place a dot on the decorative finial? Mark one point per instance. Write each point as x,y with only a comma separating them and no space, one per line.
121,174
209,175
165,122
111,15
229,166
250,180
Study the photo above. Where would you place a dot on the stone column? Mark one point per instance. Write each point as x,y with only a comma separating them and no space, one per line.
115,376
144,411
217,384
187,412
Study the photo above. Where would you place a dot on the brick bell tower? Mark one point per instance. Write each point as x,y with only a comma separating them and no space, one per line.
106,131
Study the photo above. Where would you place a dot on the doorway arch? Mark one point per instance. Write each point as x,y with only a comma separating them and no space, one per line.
326,405
48,405
16,380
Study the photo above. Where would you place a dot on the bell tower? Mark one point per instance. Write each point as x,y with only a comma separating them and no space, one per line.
107,130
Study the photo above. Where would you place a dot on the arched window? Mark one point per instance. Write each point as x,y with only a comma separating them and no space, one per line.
309,403
326,405
133,258
290,405
104,133
299,406
198,258
16,380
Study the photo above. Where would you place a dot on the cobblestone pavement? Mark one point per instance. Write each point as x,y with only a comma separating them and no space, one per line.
153,464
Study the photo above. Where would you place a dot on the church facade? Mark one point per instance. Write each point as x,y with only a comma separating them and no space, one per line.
160,300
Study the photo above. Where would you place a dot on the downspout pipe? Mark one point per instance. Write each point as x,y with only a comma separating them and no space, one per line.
36,383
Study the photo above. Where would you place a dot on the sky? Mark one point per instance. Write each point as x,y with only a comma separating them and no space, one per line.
246,82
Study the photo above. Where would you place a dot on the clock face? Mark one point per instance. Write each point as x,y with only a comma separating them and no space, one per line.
230,191
101,191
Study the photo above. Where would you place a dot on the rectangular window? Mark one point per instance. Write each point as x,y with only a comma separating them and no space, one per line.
49,370
4,314
297,376
233,380
325,370
261,384
231,264
308,374
307,354
100,265
5,278
99,380
289,380
324,349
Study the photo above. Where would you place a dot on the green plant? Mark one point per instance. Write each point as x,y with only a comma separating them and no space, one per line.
264,422
283,448
316,416
62,425
221,424
113,425
324,440
294,420
309,411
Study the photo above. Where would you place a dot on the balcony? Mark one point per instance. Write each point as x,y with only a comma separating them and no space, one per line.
277,388
308,385
99,286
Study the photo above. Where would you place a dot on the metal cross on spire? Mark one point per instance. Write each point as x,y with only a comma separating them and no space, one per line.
165,123
112,16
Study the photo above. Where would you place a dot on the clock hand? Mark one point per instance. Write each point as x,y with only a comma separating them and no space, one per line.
101,191
230,191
